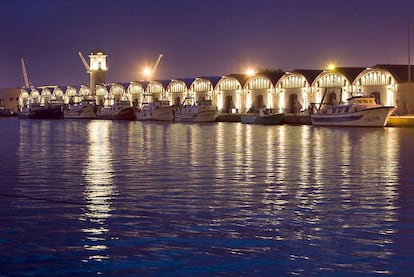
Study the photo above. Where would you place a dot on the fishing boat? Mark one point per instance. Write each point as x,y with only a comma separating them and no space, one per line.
6,112
46,111
159,110
264,117
120,110
202,111
361,111
86,109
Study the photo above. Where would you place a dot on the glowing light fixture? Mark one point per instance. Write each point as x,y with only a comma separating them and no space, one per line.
147,72
331,66
250,72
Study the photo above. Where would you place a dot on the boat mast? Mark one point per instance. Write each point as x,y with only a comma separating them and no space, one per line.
323,98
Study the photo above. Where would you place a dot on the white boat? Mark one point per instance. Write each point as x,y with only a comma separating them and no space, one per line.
264,117
86,109
202,111
159,110
121,110
361,111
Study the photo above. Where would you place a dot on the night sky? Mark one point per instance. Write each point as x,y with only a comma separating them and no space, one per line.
197,38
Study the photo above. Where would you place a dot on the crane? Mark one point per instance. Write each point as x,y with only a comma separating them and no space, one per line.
25,77
85,63
152,72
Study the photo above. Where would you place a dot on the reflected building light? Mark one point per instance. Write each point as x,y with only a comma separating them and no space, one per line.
99,188
270,174
249,148
221,131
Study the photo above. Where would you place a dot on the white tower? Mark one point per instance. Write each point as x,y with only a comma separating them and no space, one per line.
97,68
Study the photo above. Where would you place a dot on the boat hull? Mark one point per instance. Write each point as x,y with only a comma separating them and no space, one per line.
161,114
42,112
273,119
81,112
120,114
6,112
374,117
203,116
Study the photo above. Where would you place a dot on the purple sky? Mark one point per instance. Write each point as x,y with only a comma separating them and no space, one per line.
197,38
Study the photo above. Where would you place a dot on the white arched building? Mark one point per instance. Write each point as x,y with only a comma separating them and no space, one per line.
381,83
176,91
294,91
259,91
239,93
136,93
230,97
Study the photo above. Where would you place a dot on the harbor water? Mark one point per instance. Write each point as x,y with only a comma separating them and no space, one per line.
112,198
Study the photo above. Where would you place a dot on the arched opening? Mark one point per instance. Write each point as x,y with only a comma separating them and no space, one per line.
229,105
377,96
260,102
332,99
293,99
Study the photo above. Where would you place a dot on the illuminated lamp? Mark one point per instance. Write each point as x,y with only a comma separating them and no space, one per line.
250,72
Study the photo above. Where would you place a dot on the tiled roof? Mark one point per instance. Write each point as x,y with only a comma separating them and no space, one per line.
350,72
310,74
242,78
398,71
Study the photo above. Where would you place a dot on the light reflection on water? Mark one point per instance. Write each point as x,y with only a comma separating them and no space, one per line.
99,188
211,199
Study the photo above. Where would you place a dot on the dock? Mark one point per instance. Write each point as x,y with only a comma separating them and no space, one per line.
291,119
304,119
400,121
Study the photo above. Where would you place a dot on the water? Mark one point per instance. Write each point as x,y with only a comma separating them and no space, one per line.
142,199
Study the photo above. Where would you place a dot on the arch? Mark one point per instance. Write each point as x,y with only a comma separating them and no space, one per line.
71,91
34,96
229,95
259,92
71,95
45,95
201,88
135,93
332,82
176,90
58,94
381,82
155,89
228,83
201,85
24,98
101,95
85,91
292,87
116,92
176,86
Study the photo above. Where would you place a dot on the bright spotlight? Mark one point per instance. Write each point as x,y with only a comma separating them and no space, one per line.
331,66
147,72
250,72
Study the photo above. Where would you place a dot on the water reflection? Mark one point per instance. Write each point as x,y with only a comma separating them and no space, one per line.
99,188
319,200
